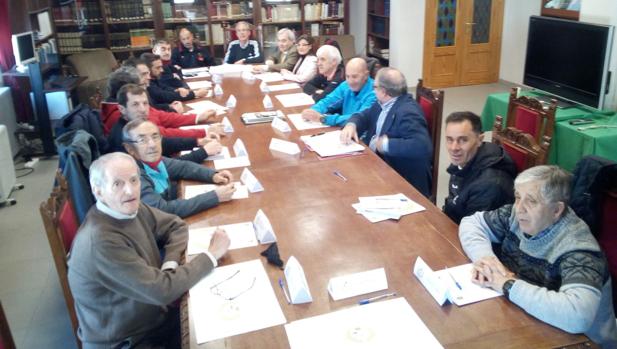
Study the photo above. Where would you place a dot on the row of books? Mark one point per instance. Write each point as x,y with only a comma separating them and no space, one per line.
325,28
130,10
87,11
280,13
203,34
324,10
69,42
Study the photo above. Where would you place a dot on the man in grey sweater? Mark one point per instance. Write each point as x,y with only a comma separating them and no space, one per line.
159,175
120,280
546,260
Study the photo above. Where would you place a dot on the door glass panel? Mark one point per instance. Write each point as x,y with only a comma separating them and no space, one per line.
482,18
446,23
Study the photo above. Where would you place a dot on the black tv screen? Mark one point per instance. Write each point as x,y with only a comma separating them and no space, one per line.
568,59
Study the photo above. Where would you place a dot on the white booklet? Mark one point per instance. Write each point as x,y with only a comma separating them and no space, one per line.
386,324
329,144
351,285
238,161
453,284
193,190
302,124
234,299
283,87
270,77
295,99
194,85
198,107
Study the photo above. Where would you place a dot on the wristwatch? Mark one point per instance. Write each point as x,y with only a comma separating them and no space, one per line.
506,287
322,119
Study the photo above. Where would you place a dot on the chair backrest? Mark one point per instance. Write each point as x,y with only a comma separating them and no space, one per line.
96,99
61,226
6,339
345,42
521,146
96,65
431,102
529,115
607,236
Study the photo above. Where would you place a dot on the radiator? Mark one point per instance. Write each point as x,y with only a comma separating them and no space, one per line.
7,169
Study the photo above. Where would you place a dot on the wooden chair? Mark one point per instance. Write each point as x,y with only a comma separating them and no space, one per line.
61,226
521,146
6,339
431,102
529,115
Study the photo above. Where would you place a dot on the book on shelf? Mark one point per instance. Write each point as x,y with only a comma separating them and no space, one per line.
130,10
218,34
141,37
281,13
119,40
69,42
92,41
166,8
333,28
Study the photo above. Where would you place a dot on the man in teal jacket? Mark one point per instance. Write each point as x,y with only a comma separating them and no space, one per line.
352,96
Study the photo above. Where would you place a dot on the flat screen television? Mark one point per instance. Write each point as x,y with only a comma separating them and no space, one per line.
23,49
569,59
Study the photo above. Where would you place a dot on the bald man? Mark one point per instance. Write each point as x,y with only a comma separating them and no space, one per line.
352,96
189,54
394,127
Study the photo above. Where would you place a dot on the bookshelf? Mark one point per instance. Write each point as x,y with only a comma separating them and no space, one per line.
378,30
128,27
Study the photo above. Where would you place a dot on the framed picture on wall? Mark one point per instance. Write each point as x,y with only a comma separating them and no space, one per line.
568,9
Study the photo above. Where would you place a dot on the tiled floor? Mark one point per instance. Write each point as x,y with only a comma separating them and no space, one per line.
29,287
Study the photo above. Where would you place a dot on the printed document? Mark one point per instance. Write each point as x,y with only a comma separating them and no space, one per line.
302,124
241,235
295,99
329,144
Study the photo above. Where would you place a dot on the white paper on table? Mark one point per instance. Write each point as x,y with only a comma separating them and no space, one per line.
227,127
283,87
186,71
254,307
193,190
263,228
329,144
371,216
224,154
238,161
280,125
295,99
270,77
240,149
386,324
202,106
194,85
240,235
296,282
267,102
351,285
286,147
302,124
397,204
231,102
218,90
469,292
184,152
250,181
225,69
247,75
195,127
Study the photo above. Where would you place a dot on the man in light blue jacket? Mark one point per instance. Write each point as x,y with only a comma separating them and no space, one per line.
352,96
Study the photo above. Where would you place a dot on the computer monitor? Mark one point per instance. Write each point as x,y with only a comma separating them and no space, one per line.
23,49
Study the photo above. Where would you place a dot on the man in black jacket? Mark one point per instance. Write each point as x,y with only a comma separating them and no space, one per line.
481,174
189,53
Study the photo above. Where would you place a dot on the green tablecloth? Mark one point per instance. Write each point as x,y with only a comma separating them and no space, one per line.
569,144
497,104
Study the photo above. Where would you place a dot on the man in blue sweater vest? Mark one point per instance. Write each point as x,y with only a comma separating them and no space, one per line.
352,96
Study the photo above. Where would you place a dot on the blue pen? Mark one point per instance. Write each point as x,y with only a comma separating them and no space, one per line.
340,175
453,279
376,298
284,290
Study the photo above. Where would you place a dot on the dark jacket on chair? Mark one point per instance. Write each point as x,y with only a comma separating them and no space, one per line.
485,183
77,150
409,145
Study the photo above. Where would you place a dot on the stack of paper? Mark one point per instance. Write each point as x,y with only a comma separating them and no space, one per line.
329,144
230,69
201,72
202,106
386,324
302,124
356,284
283,87
453,284
193,85
193,190
295,100
270,77
232,300
381,208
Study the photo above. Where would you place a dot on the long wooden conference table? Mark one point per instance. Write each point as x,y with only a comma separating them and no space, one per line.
310,210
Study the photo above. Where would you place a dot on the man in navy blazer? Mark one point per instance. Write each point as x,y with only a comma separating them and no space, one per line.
394,127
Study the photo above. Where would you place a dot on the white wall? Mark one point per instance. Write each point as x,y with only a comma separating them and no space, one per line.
407,37
604,12
357,23
514,38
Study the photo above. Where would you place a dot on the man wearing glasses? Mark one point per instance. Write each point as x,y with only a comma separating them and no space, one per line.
243,50
159,175
394,127
121,281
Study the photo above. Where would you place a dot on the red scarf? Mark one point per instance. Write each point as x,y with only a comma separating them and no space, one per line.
154,165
